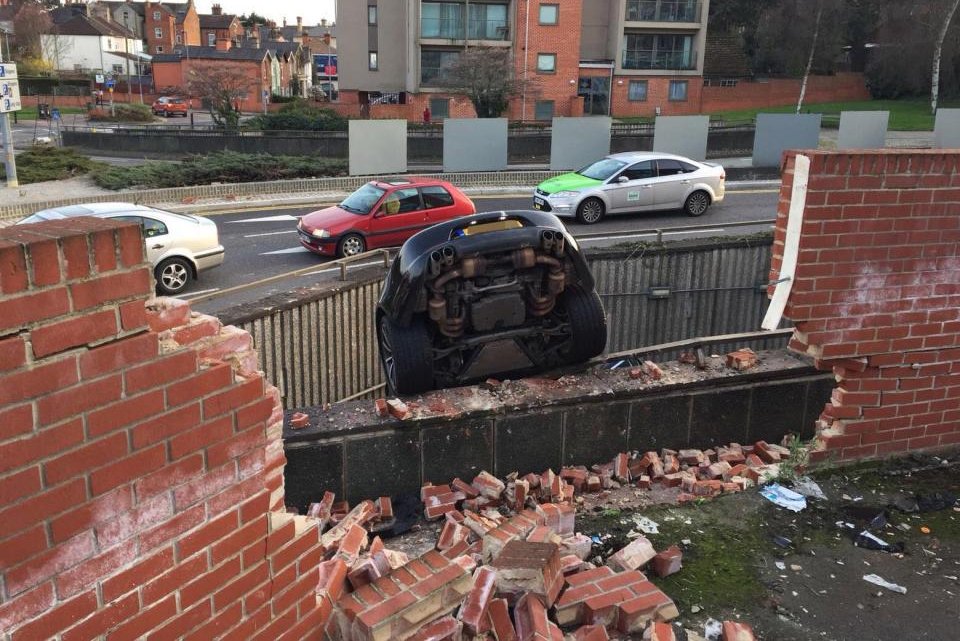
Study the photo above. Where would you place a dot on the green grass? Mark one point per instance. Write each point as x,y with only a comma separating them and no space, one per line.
905,115
30,113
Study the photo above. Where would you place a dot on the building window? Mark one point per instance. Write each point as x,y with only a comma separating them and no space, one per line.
211,39
488,22
439,108
156,16
663,11
372,64
159,49
434,65
678,90
117,69
372,15
549,13
547,62
179,39
157,32
637,91
543,110
648,51
441,20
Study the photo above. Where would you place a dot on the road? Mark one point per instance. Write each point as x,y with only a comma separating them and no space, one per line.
263,243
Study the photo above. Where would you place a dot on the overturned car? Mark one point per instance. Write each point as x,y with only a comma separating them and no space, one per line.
487,294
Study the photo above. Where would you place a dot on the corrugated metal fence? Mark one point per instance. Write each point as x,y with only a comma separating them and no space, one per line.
324,350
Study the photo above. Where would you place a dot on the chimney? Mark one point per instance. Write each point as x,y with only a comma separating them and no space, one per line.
299,23
323,22
224,44
216,10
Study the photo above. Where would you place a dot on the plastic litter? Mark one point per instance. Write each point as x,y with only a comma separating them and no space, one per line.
780,565
867,540
783,497
782,541
925,529
809,488
883,583
712,630
596,539
647,526
935,501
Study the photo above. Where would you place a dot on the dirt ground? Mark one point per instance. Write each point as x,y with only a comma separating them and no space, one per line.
810,587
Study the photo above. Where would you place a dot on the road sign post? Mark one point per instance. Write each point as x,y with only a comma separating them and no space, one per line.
9,101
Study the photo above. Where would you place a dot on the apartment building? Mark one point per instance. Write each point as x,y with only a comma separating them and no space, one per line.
608,57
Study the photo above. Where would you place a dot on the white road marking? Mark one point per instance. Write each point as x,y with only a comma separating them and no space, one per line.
198,293
271,233
265,219
289,250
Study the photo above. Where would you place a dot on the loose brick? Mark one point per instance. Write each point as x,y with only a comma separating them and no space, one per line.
667,562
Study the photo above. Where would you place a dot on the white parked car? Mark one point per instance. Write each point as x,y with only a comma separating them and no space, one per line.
179,246
632,182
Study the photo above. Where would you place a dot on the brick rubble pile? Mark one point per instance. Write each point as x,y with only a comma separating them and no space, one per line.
508,563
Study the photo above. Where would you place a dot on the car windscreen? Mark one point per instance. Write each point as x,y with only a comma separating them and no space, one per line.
362,200
602,169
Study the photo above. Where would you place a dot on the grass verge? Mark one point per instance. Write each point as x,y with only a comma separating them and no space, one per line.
42,163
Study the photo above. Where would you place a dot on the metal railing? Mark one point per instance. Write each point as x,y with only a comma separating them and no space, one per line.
681,60
662,11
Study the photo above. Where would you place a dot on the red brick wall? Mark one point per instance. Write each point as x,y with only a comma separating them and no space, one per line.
779,92
876,296
141,461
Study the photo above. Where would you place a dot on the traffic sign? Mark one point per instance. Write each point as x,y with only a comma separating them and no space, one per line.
110,83
8,71
55,114
99,78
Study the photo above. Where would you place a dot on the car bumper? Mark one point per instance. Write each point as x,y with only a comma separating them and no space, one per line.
556,206
320,246
209,259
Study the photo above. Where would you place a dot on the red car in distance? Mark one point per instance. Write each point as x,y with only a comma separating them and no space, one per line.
381,214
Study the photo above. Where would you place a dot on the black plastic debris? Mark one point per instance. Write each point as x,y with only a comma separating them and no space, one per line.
871,542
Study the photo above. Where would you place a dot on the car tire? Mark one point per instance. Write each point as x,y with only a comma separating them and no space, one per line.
406,355
588,323
697,203
173,276
351,245
591,211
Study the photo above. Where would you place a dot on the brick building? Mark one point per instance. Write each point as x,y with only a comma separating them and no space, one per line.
218,26
167,25
606,57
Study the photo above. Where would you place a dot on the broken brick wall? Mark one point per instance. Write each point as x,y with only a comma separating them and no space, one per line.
876,296
141,464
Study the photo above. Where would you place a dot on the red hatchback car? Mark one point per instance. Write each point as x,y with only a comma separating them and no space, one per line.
381,214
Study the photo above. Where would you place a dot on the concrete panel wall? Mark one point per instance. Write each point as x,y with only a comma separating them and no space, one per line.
863,129
946,131
683,135
776,132
358,456
576,142
474,144
378,146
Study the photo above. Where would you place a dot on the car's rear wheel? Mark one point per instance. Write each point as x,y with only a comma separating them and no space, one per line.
173,276
591,211
407,356
697,203
588,323
351,245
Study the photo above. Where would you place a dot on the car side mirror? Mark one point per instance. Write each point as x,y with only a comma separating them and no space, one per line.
623,179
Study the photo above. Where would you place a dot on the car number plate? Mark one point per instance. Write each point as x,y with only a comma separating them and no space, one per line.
538,202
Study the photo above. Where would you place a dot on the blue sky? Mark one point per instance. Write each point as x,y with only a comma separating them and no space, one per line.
310,10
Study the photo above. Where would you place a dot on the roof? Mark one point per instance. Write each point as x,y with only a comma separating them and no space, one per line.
314,31
92,209
137,7
83,25
208,53
637,156
214,21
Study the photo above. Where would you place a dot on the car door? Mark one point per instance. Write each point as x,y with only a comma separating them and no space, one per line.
672,183
632,188
439,204
399,215
156,235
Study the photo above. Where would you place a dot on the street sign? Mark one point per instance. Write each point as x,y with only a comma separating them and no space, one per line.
55,114
99,78
9,89
110,83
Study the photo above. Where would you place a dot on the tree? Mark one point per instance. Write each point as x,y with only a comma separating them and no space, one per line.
487,77
938,54
29,24
222,87
813,50
253,19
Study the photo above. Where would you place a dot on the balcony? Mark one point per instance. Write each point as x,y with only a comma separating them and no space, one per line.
662,11
445,21
654,60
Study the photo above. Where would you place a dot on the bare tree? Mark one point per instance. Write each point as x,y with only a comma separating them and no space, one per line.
222,86
813,50
30,23
937,55
486,75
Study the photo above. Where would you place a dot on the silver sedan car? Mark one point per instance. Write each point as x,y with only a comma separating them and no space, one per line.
179,246
632,182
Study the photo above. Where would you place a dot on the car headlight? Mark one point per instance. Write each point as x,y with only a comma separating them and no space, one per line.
320,233
565,194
